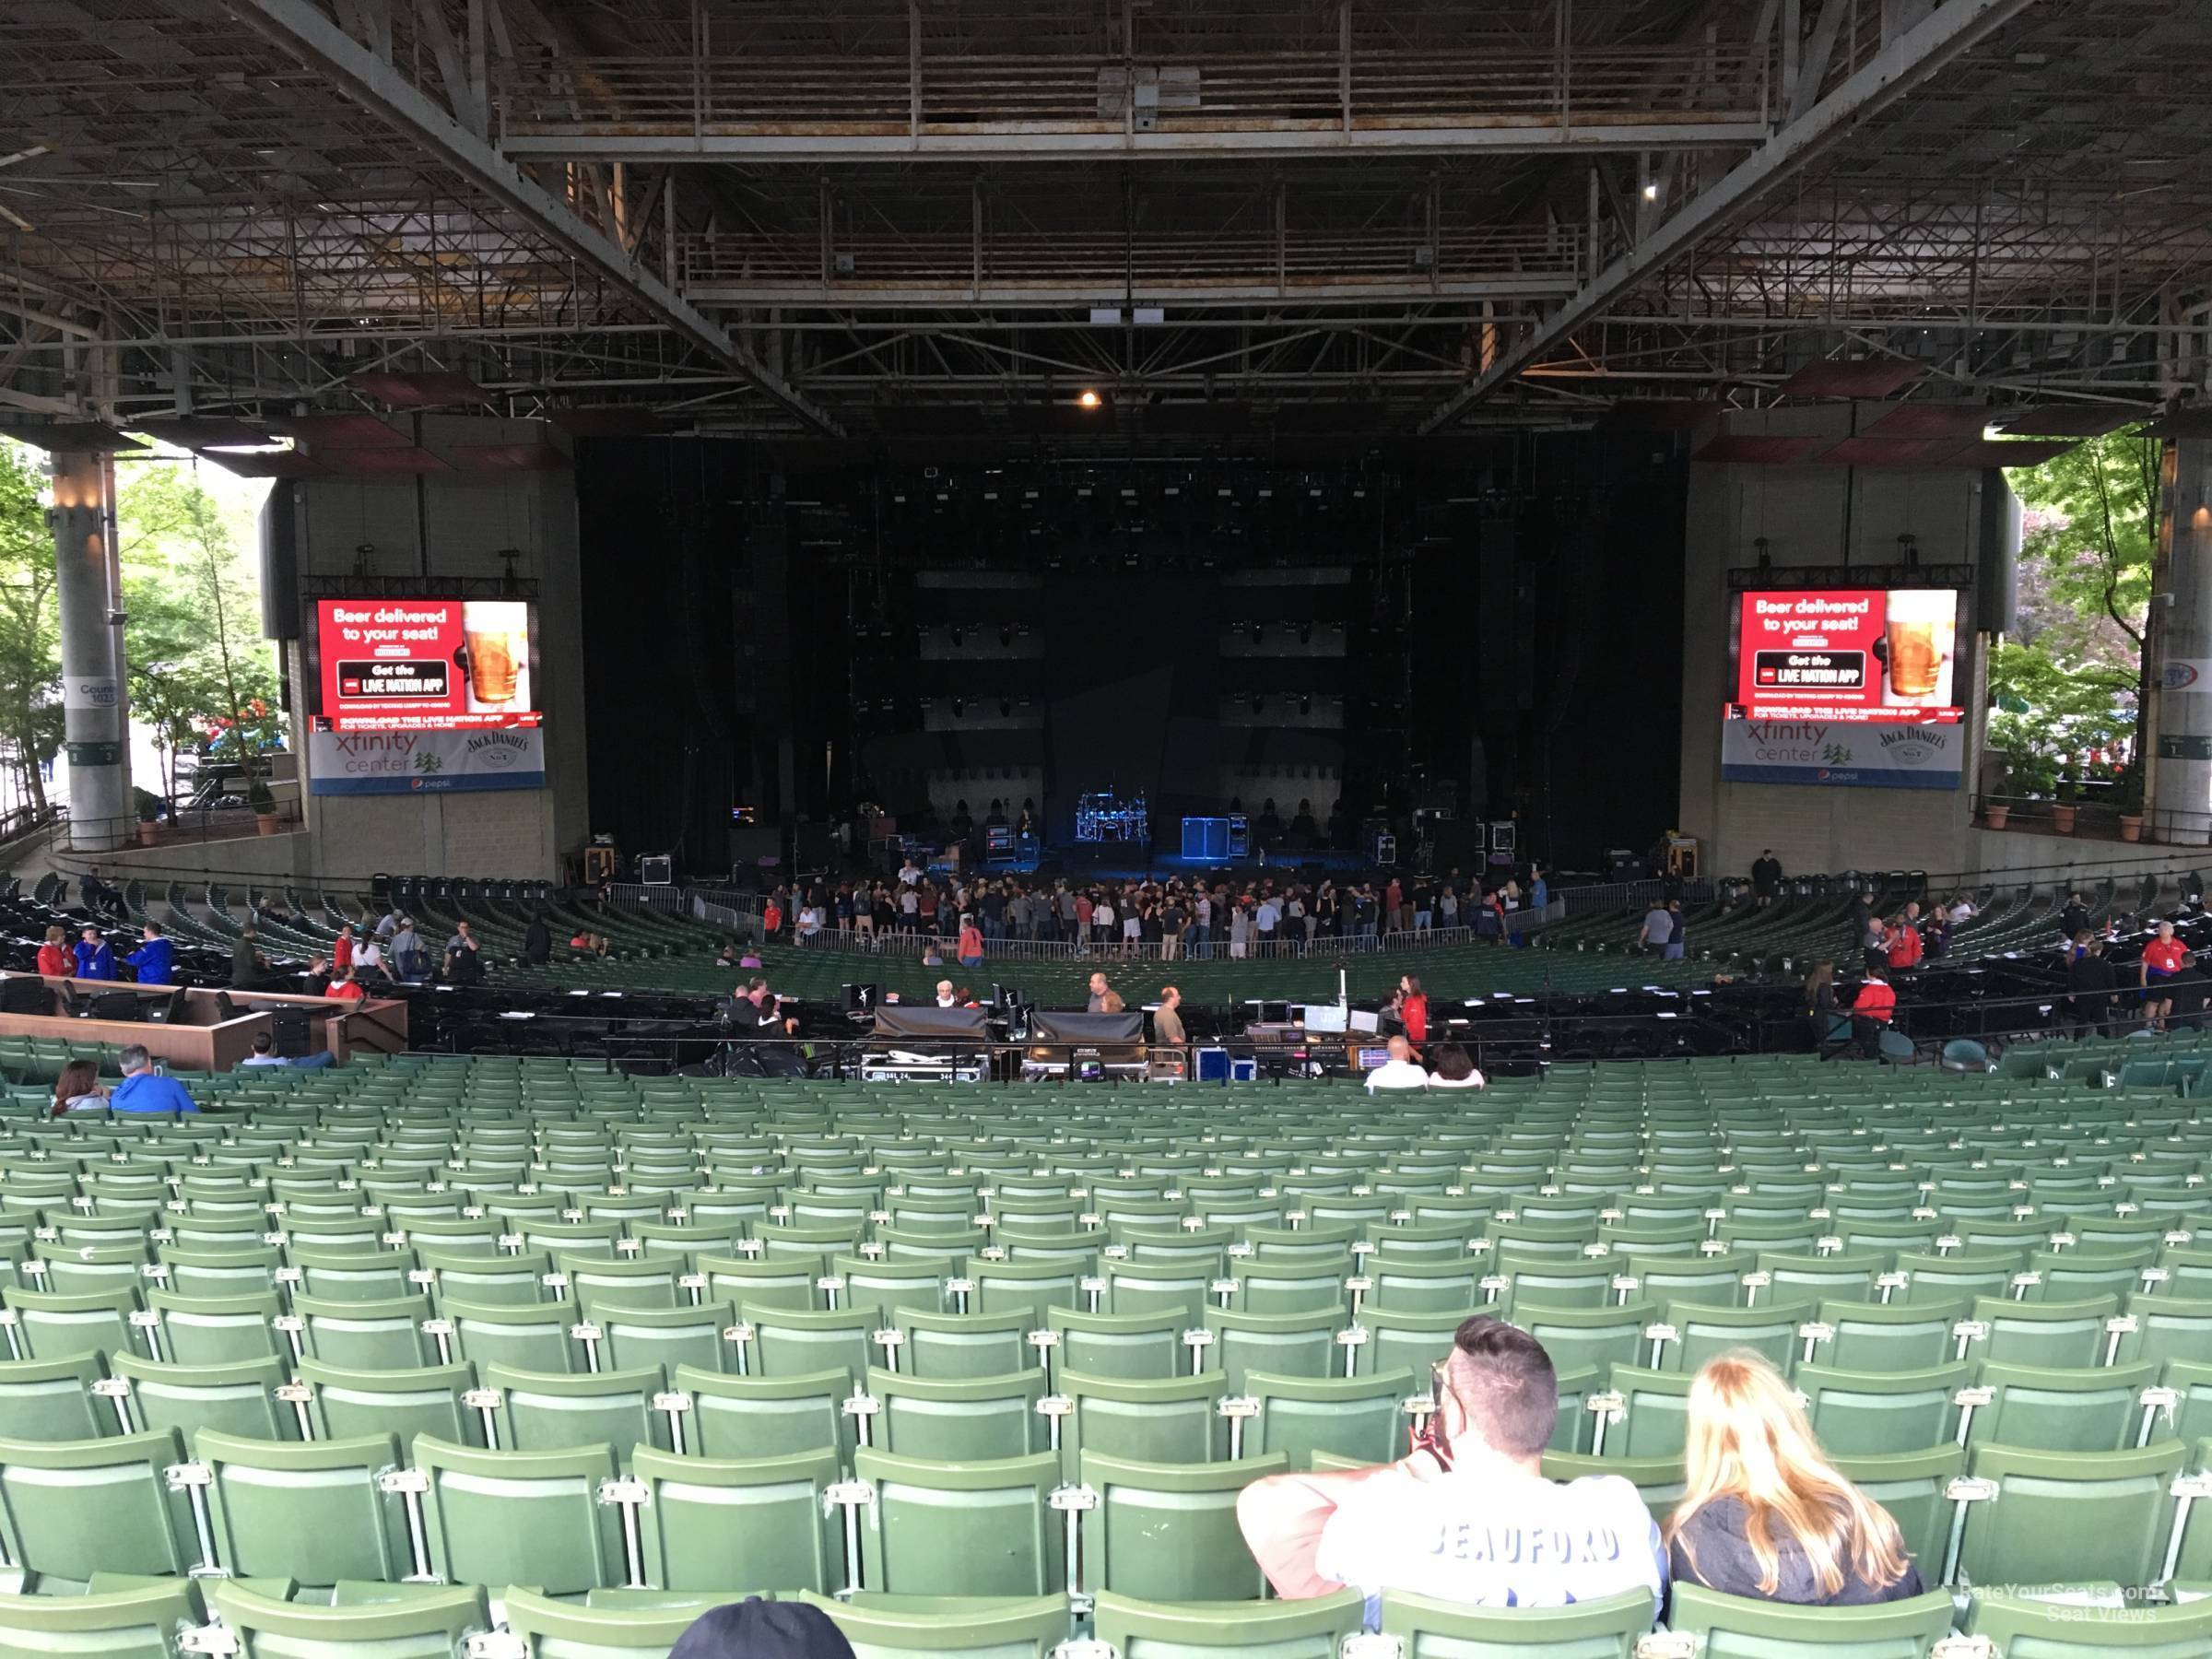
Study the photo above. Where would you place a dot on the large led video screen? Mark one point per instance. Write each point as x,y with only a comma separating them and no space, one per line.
426,666
1845,685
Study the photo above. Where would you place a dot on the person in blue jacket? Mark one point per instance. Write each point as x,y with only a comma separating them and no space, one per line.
95,960
144,1090
155,959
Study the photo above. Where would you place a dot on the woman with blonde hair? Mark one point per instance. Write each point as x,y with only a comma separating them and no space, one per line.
1765,1514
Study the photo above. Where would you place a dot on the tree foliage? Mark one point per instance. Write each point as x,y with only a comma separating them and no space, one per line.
30,661
199,670
2070,680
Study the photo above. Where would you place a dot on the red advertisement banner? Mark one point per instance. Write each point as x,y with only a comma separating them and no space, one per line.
425,665
1848,656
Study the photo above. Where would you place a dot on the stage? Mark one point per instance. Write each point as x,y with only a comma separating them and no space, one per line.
1130,861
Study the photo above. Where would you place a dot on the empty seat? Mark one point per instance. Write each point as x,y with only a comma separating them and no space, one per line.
2064,1517
53,1399
2095,1408
1733,1624
317,1513
510,1517
957,1418
71,1508
1301,1343
555,1629
1168,1532
1362,1418
1314,1628
765,1416
1870,1412
346,1404
998,1627
231,1399
1118,1344
140,1622
1608,1628
1171,1419
427,1618
706,1521
364,1335
963,1345
1008,1541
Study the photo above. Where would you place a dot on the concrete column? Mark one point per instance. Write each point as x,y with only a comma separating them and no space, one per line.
87,595
2183,801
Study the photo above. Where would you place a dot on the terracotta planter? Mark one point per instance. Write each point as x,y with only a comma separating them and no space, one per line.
2131,827
2062,816
1995,816
149,832
268,823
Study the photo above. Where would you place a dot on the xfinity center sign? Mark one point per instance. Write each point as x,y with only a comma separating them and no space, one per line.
1841,753
424,762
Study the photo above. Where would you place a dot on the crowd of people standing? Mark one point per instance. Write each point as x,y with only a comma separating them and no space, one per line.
1174,916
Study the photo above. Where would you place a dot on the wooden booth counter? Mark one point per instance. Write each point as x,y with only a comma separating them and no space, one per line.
198,1030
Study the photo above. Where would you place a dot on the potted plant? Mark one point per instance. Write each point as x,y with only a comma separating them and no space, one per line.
264,807
150,815
2063,809
2130,798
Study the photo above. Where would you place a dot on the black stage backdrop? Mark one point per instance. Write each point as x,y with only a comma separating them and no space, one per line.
1134,696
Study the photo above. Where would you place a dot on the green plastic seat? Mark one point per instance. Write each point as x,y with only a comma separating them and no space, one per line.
428,1622
2067,1517
963,1345
558,1630
1654,1413
1169,1420
1886,1336
1608,1628
1315,1629
2044,1629
2048,1334
764,1417
1865,1413
72,1509
1026,1288
631,1338
53,1399
1451,1284
2096,1409
881,1627
1362,1418
707,1521
789,1342
1008,1541
1734,1624
916,1282
137,1623
347,1403
476,1278
546,1411
1575,1338
1119,1345
1659,1481
1290,1287
504,1517
527,1336
640,1281
1702,1333
2166,1327
1300,1344
957,1418
314,1513
1406,1341
1168,1532
231,1399
60,1327
342,1275
1946,1278
205,1329
361,1334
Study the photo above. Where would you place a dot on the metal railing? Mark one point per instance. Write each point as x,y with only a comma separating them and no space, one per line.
184,822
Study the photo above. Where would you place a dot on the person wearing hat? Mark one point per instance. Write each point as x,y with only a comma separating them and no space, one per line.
754,1628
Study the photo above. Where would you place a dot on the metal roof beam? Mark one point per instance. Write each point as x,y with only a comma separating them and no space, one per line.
1955,26
378,87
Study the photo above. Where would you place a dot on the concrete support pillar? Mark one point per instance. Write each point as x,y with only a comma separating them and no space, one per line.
88,593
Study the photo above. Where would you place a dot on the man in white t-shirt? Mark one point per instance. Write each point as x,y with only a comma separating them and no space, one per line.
1468,1515
1400,1071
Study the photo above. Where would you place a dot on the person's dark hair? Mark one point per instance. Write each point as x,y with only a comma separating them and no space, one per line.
1876,970
78,1078
1450,1061
1412,981
1504,1381
263,1044
1822,973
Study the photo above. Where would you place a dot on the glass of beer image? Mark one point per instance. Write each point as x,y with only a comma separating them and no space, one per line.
1921,628
494,652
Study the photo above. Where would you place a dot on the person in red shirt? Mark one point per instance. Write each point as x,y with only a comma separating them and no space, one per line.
341,950
347,986
54,959
1413,1010
1871,1012
1904,944
2162,959
772,919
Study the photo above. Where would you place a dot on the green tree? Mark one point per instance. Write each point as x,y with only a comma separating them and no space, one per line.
198,665
2092,533
30,656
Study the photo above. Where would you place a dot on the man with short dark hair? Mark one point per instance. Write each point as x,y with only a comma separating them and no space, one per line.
1468,1516
155,957
1766,878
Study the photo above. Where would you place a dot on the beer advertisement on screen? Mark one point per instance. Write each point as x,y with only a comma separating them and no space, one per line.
425,665
1844,685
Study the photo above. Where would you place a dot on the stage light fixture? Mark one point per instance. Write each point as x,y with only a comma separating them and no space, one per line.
1651,190
1088,399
